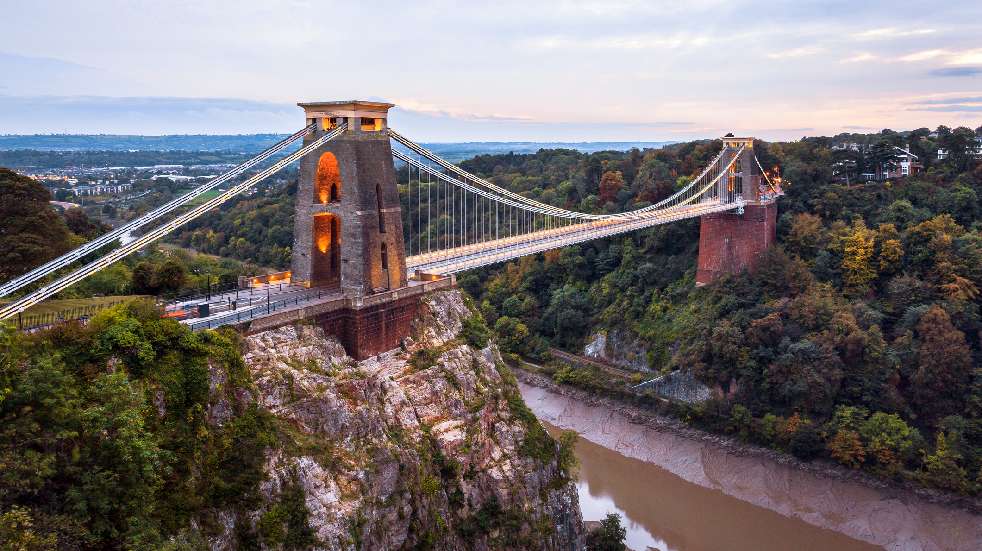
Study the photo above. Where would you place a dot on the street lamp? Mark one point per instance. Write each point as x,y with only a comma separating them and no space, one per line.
197,271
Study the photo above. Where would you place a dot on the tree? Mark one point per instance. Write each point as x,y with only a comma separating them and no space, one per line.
883,156
959,143
512,334
944,365
806,235
170,277
889,439
804,375
941,468
17,532
564,319
80,224
806,443
609,536
891,253
846,448
144,279
610,184
31,232
857,251
653,182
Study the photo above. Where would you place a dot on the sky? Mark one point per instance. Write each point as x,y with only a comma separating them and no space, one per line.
530,70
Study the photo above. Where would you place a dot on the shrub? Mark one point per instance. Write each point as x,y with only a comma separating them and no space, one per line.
475,332
609,536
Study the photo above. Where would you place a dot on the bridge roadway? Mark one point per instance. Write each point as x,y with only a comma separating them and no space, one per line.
241,305
286,301
466,257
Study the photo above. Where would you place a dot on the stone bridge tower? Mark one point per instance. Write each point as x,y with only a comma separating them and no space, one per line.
733,242
348,226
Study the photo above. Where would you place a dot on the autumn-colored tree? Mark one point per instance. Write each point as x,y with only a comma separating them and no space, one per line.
889,439
944,365
959,288
512,334
806,234
847,448
611,182
942,468
891,253
857,251
930,242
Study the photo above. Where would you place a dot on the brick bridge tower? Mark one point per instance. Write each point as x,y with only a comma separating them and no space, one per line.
348,239
734,241
348,226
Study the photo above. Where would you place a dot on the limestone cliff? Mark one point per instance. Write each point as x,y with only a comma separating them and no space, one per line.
427,447
618,347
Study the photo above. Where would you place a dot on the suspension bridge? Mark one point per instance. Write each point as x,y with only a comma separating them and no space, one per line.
367,245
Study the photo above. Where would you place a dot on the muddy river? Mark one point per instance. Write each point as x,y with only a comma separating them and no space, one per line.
679,494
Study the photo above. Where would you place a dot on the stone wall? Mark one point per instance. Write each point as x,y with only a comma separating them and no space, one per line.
374,329
730,243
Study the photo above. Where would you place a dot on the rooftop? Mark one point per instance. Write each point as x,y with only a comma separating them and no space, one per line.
347,105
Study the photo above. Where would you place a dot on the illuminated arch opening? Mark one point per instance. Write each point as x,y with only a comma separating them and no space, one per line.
326,269
327,182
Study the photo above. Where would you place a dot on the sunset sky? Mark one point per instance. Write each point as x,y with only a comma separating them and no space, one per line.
509,71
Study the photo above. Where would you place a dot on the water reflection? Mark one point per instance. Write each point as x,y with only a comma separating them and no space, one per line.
664,512
597,506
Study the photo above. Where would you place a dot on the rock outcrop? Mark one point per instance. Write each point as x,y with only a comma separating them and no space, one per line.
428,447
618,348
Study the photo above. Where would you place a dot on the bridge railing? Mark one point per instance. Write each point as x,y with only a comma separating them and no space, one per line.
258,311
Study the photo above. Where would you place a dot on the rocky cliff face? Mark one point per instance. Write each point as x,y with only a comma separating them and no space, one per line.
619,348
429,447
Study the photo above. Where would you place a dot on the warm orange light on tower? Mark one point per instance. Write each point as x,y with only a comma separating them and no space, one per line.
327,183
324,228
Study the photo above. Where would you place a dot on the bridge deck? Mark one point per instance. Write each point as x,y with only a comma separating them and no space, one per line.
502,250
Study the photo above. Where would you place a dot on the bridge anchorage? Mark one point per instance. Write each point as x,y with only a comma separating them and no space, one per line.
367,245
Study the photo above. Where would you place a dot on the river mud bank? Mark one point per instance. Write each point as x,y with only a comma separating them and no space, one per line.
820,494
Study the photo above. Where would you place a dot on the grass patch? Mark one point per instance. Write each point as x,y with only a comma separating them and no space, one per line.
70,308
206,196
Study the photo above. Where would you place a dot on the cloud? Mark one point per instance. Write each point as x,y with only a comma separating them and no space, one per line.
857,127
858,58
626,42
968,57
795,52
956,108
945,101
925,55
964,57
890,32
423,108
957,72
951,104
777,130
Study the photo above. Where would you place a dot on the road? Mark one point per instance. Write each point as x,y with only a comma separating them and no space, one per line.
243,304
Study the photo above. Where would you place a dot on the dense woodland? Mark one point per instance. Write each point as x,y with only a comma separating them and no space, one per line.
105,441
858,340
